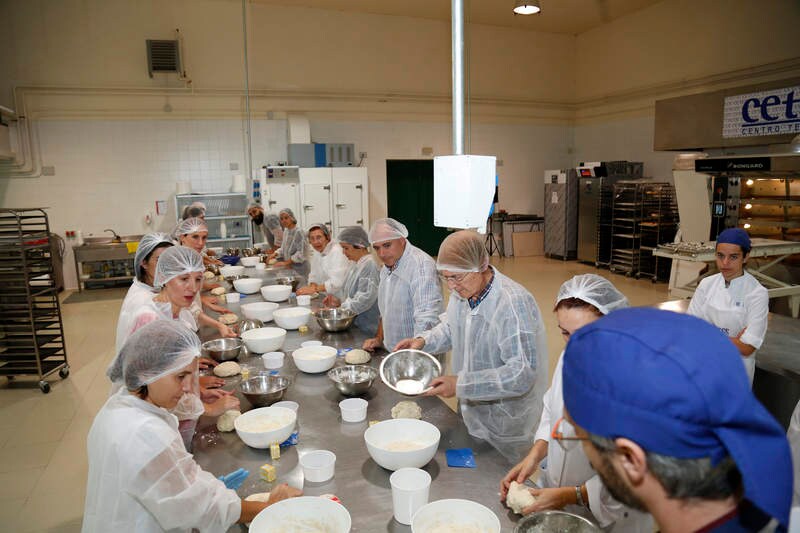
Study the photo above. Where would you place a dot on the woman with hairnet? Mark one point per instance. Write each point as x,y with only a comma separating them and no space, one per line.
409,293
292,253
268,224
495,330
569,481
194,210
360,291
141,478
328,262
193,233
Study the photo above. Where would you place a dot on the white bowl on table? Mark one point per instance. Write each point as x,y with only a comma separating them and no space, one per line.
458,515
247,285
292,317
231,270
263,340
259,310
262,427
249,262
402,443
305,513
315,359
276,293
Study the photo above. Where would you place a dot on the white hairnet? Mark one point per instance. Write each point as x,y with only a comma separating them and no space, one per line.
288,212
195,209
322,227
386,229
462,251
146,246
595,290
354,236
189,226
174,262
272,222
153,351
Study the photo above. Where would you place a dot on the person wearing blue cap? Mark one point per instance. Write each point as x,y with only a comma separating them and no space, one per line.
667,418
733,300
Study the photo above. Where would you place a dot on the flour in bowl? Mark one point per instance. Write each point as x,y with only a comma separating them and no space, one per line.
409,386
264,424
404,445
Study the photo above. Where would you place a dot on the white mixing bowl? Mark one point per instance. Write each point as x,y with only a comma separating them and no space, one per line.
250,261
259,310
276,293
459,515
402,442
263,340
292,317
262,427
314,359
247,285
306,513
231,270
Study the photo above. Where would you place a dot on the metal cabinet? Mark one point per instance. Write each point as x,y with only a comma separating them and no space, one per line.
337,197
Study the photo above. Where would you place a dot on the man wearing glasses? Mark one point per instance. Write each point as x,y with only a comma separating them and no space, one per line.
665,414
495,331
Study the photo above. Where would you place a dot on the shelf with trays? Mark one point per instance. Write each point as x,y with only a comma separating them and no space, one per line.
229,208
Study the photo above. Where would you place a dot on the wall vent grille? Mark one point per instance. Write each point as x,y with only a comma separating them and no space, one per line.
163,56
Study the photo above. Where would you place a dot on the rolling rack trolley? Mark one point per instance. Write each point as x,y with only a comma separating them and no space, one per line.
31,331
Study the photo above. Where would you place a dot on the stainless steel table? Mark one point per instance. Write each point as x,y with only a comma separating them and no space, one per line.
361,485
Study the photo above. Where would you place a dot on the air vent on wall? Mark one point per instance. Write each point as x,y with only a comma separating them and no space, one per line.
163,56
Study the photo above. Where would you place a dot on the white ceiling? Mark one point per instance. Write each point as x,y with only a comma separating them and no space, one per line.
557,16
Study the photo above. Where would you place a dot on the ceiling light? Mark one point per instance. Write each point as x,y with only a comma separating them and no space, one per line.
747,226
749,182
527,7
748,206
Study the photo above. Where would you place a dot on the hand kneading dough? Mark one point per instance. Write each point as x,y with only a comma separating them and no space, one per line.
227,369
258,497
208,275
519,497
218,291
357,357
229,318
406,409
225,422
272,261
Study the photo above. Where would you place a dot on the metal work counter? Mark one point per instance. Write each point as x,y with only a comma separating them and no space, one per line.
361,485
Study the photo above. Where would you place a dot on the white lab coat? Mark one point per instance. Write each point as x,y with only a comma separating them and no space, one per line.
572,468
329,268
794,441
360,294
138,294
271,237
293,248
744,304
500,360
141,479
409,297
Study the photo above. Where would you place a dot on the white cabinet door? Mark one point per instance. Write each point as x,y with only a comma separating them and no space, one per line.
316,198
281,195
347,204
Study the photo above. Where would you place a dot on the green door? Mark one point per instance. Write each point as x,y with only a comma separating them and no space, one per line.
409,191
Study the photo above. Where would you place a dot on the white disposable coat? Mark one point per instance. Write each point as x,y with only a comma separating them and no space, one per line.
794,441
360,294
271,237
409,297
572,468
142,480
329,268
744,304
293,248
500,360
138,295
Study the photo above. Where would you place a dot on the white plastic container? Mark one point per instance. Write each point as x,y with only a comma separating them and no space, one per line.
261,266
223,230
410,489
304,300
318,466
232,297
353,409
306,344
272,360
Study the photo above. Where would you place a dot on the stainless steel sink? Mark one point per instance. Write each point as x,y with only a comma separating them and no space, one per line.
103,240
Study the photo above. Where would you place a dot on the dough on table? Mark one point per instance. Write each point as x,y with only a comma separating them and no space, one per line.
407,409
225,421
228,318
227,369
357,357
208,275
258,497
519,497
272,261
218,291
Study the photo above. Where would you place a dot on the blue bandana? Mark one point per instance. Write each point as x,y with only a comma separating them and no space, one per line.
676,385
736,236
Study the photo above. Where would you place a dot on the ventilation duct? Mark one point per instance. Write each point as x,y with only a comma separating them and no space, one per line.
163,56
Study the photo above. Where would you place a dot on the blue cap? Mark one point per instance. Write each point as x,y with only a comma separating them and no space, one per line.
676,385
736,236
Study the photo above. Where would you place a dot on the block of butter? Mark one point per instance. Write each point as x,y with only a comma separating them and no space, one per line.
275,451
268,473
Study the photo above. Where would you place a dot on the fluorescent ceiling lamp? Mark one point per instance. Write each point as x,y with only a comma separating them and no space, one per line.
527,7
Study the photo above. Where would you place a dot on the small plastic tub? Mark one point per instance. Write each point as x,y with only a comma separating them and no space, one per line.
272,360
294,406
318,466
232,297
304,300
353,409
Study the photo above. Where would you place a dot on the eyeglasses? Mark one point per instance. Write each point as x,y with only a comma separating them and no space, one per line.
456,279
564,433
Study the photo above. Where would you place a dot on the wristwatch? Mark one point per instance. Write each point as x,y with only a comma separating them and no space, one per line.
579,496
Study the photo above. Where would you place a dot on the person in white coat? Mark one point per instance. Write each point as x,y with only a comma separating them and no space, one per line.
495,330
409,294
328,262
569,482
733,300
360,291
141,478
292,253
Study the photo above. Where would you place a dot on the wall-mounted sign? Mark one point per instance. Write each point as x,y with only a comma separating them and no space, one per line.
733,164
773,112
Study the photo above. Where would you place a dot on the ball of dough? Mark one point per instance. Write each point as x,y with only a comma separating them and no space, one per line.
225,421
258,497
228,318
519,497
227,369
208,275
407,409
218,291
357,357
272,261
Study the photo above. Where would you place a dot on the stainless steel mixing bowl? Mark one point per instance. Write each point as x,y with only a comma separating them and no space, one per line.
413,365
352,380
288,280
334,319
250,323
222,349
263,389
546,521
